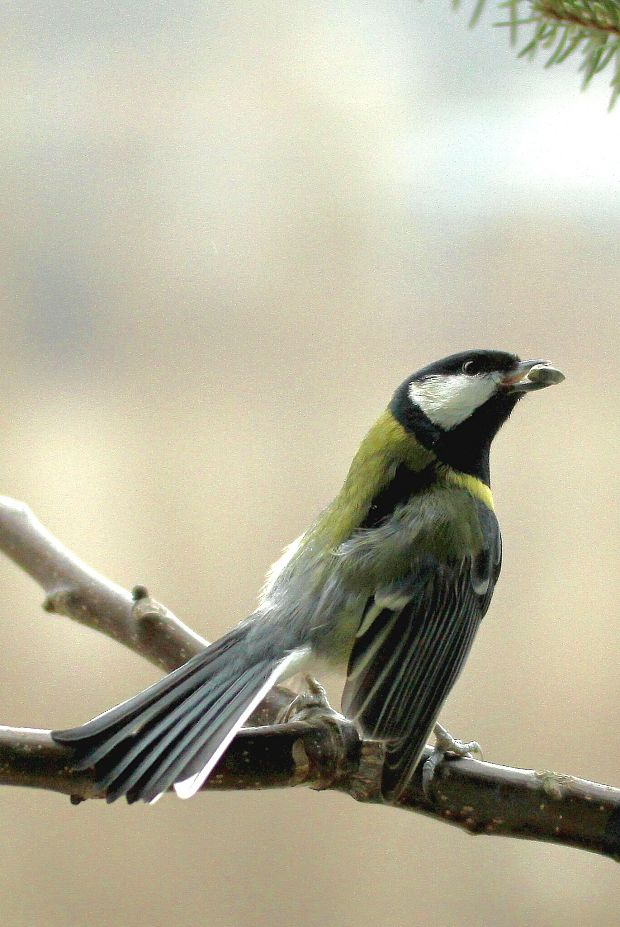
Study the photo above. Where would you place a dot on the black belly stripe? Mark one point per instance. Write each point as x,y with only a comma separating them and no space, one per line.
403,485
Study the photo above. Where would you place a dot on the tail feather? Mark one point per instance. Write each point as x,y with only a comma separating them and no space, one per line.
132,708
150,722
203,734
153,738
175,732
201,764
151,755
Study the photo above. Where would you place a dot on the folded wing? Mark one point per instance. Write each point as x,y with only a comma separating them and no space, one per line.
411,645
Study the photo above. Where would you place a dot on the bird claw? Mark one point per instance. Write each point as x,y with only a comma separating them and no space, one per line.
308,705
446,743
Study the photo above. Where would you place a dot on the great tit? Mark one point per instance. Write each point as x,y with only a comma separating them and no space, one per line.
389,584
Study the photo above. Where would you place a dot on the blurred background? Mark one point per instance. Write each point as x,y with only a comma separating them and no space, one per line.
229,230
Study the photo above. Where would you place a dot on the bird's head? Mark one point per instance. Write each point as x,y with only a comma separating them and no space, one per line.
456,406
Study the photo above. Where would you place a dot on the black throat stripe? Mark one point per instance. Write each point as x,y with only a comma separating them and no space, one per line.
402,486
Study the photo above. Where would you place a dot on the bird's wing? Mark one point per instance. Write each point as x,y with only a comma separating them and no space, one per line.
411,644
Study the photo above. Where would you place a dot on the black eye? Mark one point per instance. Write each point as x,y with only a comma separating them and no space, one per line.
471,367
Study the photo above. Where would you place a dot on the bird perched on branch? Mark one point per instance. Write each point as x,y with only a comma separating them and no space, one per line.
390,584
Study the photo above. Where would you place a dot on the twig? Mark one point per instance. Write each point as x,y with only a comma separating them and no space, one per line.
322,752
597,17
74,589
560,28
77,591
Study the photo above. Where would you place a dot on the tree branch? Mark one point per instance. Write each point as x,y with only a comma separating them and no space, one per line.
603,16
560,28
481,798
77,591
322,751
74,589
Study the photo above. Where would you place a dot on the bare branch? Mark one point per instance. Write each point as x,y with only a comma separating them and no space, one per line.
322,752
77,591
481,798
74,589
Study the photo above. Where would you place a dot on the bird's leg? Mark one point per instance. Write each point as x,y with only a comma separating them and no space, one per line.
445,743
309,704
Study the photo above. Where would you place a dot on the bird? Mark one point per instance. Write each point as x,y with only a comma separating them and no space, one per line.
389,585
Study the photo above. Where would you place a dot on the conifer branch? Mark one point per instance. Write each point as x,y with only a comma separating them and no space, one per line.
559,28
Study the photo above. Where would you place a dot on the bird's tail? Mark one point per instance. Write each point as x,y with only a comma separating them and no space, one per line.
174,732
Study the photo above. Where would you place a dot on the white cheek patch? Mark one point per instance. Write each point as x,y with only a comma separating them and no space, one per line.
449,399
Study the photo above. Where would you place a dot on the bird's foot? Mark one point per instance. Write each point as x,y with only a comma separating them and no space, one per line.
309,705
445,743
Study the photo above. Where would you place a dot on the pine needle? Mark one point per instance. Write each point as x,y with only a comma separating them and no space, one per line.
560,28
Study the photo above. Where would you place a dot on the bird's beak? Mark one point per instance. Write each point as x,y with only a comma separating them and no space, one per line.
530,375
